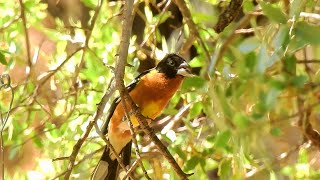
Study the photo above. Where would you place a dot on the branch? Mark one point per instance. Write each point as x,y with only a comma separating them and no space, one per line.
219,52
88,156
24,21
77,146
125,98
307,61
228,15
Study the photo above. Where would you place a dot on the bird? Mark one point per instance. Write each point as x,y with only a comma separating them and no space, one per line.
151,91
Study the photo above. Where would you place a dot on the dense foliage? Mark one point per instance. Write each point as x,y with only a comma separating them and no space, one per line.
252,111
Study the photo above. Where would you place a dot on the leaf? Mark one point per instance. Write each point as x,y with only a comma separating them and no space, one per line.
192,163
251,60
298,81
281,39
222,139
195,82
295,7
290,64
271,97
224,103
37,140
3,59
195,110
303,156
196,62
241,121
13,152
276,131
182,154
248,6
225,169
277,84
148,13
263,58
274,13
249,44
308,33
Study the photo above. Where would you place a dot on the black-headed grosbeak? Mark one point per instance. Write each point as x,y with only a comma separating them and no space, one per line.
151,91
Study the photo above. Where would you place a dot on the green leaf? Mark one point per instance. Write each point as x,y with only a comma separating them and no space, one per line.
224,103
251,60
192,163
90,3
222,139
195,110
276,131
249,44
308,33
225,169
274,13
263,59
196,62
13,152
248,6
303,156
281,39
296,7
193,82
241,121
3,59
299,81
37,140
277,84
182,154
290,64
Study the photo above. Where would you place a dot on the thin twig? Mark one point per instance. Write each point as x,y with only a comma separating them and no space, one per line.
8,24
193,32
24,21
219,52
88,156
77,146
101,105
5,82
307,61
134,139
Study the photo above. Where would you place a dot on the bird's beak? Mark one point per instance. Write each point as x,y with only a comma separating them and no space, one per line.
184,70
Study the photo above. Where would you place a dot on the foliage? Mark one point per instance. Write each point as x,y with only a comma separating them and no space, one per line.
245,115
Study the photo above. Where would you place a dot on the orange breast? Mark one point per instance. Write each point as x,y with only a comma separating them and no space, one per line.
151,94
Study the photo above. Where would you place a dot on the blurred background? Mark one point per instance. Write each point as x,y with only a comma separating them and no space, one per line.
252,111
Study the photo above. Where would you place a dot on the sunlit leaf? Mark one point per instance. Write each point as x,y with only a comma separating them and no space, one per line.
225,169
274,13
222,139
241,121
195,110
249,44
192,163
3,59
307,32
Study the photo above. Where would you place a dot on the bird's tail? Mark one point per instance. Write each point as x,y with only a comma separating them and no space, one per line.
107,169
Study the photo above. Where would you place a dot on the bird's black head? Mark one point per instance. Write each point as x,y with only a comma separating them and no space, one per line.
173,65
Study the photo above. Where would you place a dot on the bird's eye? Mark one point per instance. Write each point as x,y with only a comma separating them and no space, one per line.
171,62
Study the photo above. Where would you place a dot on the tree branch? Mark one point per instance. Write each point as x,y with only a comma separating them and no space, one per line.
125,98
24,21
193,32
228,15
